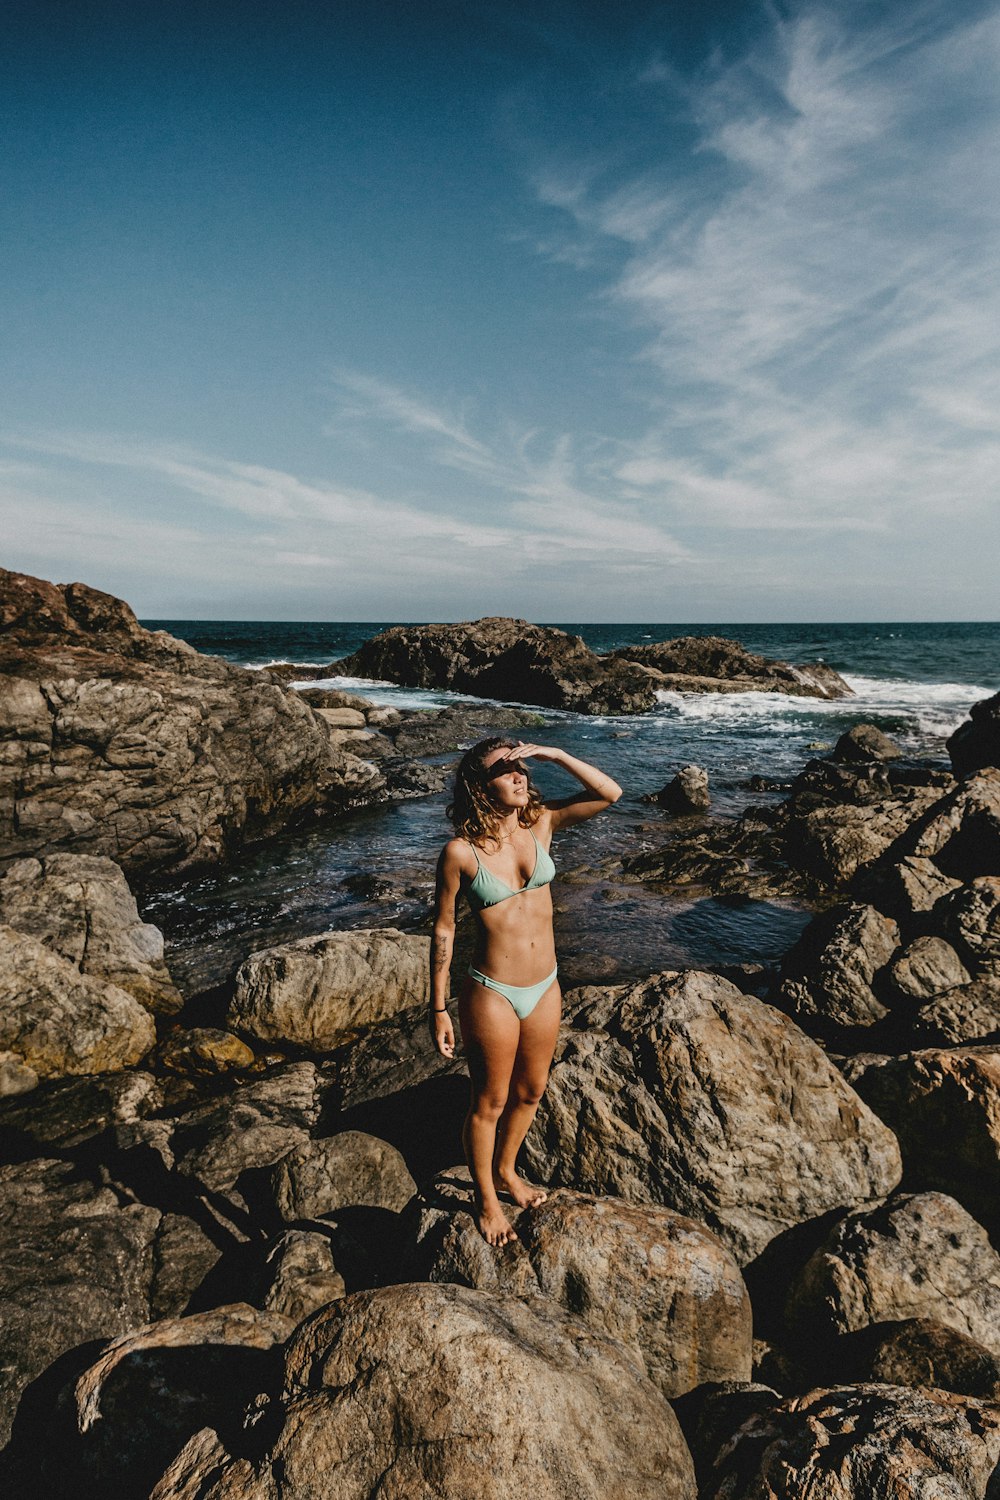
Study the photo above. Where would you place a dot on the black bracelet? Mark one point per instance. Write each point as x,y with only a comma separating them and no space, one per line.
442,1012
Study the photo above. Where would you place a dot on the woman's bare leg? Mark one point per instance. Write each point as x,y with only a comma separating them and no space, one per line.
536,1044
490,1035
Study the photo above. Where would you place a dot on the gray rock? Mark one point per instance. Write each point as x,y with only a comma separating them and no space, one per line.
124,742
712,663
253,1127
961,830
925,968
66,1112
971,918
687,793
860,1441
637,1272
907,889
59,1021
15,1075
920,1255
318,992
829,972
81,907
975,744
456,1393
300,1275
341,1171
714,1104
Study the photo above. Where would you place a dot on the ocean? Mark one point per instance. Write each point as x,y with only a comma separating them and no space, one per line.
916,681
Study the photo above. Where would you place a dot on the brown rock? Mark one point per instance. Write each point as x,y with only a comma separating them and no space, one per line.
319,991
351,1169
637,1272
968,1013
829,972
15,1075
919,1352
865,742
860,1441
971,918
253,1127
975,744
712,1103
203,1051
300,1275
60,1021
124,742
908,889
720,663
925,968
920,1255
961,830
687,793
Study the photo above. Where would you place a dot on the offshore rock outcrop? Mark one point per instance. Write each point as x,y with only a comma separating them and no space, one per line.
124,742
498,657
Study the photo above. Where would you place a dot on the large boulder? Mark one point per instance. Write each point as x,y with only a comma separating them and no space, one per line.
637,1272
919,1352
683,1091
829,973
81,907
865,742
59,1021
349,1170
968,1013
319,991
920,1255
859,1442
439,1390
975,744
944,1105
124,742
960,831
925,968
971,918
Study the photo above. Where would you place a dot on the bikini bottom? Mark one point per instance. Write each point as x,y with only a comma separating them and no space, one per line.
523,997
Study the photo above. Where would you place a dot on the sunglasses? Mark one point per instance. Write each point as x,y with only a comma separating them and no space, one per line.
503,767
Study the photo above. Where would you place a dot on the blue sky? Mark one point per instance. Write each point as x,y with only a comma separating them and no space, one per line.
570,311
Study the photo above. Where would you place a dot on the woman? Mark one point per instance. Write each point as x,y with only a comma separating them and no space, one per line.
509,1003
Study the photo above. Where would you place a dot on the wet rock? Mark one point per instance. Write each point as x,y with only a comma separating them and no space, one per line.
726,665
347,1170
925,967
457,1392
944,1105
124,742
968,1013
81,908
975,744
714,1104
637,1272
440,731
920,1255
865,742
300,1275
319,991
687,793
829,973
919,1352
59,1021
203,1051
864,1440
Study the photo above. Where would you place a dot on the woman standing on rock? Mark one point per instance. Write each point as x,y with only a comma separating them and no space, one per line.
510,1001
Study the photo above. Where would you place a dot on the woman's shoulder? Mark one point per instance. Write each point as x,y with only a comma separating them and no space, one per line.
458,854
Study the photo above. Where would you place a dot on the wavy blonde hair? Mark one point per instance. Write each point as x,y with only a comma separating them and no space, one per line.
473,813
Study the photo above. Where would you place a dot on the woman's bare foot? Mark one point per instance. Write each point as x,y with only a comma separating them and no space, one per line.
494,1225
523,1194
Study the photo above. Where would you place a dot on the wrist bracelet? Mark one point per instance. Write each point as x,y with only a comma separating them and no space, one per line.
442,1012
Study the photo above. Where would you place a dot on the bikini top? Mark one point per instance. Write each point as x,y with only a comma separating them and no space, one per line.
487,889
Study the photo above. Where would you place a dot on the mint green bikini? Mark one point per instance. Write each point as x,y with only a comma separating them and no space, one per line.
487,889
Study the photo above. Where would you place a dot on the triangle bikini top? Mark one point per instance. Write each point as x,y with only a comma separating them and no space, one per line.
487,889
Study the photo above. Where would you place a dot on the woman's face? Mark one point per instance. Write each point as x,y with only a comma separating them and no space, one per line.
507,778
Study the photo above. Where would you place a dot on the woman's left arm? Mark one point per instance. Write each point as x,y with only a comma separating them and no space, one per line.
599,789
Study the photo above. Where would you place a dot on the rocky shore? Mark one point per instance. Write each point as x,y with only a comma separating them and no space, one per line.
238,1260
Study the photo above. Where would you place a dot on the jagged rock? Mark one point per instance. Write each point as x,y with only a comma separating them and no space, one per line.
301,1275
960,831
707,1100
15,1075
918,1352
925,968
863,743
860,1441
687,793
971,918
717,664
436,732
836,843
125,1417
253,1127
920,1255
906,890
349,1170
637,1272
343,718
124,742
203,1051
81,907
968,1013
59,1021
318,991
975,744
64,1113
456,1393
944,1105
829,972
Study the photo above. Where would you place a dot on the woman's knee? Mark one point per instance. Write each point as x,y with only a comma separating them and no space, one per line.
489,1105
530,1090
